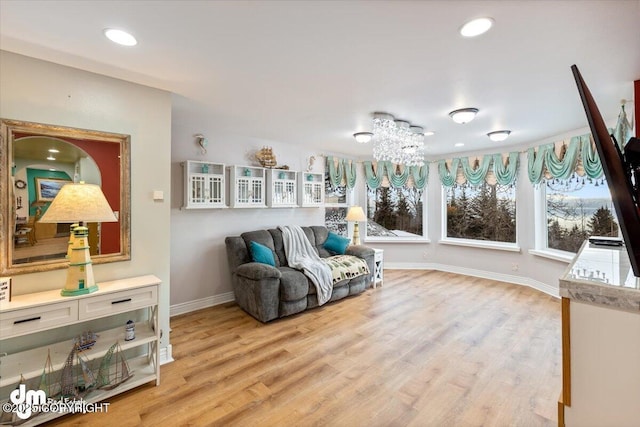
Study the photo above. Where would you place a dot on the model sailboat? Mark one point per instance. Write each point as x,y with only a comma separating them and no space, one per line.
74,383
113,374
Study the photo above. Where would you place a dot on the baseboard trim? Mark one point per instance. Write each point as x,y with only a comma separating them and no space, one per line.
187,307
509,278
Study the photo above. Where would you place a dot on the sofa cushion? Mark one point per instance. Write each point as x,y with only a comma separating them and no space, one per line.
260,236
294,285
336,244
320,233
262,254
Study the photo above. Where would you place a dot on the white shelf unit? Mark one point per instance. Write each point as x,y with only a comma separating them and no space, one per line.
282,189
204,186
28,315
378,261
311,188
247,187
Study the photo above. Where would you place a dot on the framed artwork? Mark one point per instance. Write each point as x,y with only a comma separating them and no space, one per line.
47,188
5,290
334,220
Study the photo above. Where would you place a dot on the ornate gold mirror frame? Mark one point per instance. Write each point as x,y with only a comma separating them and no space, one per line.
23,201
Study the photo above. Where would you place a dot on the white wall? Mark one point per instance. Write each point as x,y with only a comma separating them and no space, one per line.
199,269
39,91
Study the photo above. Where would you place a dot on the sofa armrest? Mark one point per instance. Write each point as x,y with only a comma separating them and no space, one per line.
258,271
361,251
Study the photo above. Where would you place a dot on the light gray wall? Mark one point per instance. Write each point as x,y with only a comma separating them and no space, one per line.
39,91
199,269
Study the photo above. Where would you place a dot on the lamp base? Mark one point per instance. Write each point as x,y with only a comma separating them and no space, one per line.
76,292
356,234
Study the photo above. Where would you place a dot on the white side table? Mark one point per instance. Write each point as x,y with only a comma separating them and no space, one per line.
378,264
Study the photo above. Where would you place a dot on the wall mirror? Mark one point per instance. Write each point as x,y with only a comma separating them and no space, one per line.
36,161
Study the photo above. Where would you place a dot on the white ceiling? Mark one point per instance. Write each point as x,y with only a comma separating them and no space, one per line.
312,72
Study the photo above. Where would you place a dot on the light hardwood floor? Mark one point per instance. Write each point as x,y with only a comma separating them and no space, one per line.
426,349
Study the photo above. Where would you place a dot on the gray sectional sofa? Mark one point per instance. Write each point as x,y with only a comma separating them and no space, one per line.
267,292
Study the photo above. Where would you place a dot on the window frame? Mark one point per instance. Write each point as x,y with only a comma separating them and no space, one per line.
482,244
398,239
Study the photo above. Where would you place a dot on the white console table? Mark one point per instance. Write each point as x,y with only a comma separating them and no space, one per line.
600,340
26,316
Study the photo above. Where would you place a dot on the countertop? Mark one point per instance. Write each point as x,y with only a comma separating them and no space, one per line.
602,275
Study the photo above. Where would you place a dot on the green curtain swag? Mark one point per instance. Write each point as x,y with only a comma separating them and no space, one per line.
350,171
344,168
374,179
420,175
623,130
590,159
396,179
506,174
448,176
579,150
563,168
335,171
474,175
535,162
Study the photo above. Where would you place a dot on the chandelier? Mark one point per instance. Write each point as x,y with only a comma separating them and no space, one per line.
397,141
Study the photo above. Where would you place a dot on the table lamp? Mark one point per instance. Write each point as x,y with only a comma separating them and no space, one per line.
73,204
355,214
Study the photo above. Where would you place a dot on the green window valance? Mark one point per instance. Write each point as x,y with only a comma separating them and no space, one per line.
342,170
579,156
491,165
397,175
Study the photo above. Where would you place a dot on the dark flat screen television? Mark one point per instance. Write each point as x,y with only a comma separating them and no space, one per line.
622,171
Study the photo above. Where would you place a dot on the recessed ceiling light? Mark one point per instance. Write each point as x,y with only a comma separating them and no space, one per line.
51,157
476,27
53,150
120,37
429,133
459,144
463,115
499,135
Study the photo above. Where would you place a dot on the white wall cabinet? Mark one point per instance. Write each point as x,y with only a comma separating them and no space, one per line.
204,186
26,315
247,187
311,188
282,188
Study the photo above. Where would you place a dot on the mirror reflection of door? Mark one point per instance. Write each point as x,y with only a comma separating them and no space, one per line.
42,166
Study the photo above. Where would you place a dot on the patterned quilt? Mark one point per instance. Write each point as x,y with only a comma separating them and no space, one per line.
346,267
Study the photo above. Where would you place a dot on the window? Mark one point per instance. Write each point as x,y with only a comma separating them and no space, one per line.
575,210
395,213
334,220
486,212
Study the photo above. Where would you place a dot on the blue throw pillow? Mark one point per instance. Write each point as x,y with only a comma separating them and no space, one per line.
336,244
261,253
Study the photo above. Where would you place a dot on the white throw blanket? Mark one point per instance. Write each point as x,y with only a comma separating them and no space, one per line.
302,256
